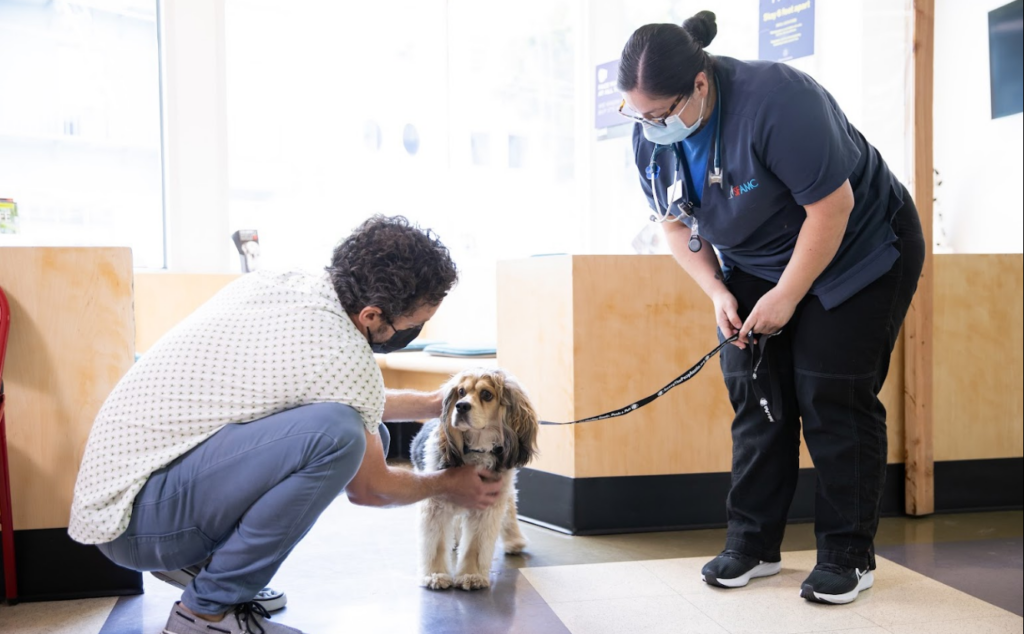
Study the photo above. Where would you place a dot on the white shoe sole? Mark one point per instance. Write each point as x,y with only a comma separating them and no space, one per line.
271,600
863,583
763,569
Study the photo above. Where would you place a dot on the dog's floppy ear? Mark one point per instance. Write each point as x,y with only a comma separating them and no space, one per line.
519,436
450,442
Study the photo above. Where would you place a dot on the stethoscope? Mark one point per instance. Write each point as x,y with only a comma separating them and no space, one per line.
686,206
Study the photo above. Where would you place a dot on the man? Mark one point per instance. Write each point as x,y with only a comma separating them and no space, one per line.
220,448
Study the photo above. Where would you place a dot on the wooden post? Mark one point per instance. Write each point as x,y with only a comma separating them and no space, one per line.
917,329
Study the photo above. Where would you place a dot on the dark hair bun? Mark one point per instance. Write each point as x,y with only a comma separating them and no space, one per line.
702,28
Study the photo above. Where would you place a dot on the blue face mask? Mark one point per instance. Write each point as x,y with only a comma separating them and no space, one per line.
674,129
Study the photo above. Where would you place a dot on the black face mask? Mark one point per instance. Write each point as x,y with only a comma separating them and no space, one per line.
399,340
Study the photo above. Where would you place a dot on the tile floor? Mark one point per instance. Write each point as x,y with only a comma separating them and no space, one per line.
355,573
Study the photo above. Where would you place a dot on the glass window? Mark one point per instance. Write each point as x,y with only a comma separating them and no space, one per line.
337,111
80,124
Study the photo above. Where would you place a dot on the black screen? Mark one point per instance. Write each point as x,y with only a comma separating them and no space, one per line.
1006,58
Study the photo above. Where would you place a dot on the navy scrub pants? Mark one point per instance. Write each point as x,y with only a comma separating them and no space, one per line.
242,499
826,370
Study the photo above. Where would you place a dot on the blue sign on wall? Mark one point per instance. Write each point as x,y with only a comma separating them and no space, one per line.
787,30
608,97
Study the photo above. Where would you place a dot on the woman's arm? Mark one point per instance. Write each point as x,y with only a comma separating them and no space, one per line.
816,245
704,268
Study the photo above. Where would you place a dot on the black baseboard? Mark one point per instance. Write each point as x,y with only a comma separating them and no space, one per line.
628,504
52,566
979,485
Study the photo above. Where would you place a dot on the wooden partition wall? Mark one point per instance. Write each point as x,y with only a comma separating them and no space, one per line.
588,334
72,338
162,300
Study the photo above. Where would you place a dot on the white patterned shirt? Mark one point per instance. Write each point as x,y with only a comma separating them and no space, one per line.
266,343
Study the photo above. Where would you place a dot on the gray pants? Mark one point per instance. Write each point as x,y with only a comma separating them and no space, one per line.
243,498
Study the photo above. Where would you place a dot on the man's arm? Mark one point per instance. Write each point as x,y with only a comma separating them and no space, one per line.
377,484
409,405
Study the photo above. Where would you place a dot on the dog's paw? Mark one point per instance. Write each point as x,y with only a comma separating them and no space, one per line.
437,581
472,582
516,546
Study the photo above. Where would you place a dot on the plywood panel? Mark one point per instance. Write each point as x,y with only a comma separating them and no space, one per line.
162,300
978,356
639,322
405,380
892,397
72,334
535,342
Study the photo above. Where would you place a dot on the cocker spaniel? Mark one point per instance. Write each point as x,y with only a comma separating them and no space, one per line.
488,421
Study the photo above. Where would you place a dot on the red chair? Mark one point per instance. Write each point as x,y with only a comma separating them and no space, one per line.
6,519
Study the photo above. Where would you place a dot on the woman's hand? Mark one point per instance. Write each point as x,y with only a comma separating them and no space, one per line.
770,314
726,315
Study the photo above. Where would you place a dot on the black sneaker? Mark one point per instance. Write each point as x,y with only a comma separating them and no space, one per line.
833,584
733,569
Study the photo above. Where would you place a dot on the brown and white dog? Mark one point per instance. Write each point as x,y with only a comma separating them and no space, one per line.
488,421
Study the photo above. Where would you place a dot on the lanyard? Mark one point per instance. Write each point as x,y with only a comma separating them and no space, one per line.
714,177
757,356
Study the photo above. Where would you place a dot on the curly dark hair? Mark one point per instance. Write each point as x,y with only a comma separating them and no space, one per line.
391,263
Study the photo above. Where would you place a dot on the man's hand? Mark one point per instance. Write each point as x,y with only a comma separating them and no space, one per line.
471,488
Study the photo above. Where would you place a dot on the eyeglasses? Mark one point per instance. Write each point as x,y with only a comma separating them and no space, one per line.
658,122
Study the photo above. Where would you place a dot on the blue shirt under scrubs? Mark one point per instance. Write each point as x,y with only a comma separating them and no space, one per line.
785,143
696,148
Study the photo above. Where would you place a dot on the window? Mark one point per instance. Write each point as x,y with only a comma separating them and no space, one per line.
337,111
80,124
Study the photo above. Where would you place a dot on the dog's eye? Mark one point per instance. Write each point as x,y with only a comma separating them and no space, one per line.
486,396
462,392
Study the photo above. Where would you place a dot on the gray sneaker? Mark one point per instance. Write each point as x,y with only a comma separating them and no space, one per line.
271,600
247,618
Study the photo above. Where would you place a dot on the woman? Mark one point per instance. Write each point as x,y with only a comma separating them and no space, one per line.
819,243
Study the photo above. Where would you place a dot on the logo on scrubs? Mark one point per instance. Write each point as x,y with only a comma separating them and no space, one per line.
738,190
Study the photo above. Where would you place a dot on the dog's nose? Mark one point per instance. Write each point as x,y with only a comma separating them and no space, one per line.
463,407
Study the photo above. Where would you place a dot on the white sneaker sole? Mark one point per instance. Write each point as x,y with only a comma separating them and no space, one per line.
863,583
763,569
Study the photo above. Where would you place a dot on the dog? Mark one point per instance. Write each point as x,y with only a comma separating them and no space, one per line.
486,420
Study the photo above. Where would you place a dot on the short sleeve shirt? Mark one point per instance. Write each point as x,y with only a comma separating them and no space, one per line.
266,343
785,143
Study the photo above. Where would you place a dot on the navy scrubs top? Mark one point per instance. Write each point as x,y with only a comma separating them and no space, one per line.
785,143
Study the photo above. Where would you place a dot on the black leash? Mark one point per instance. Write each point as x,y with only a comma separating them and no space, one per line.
683,378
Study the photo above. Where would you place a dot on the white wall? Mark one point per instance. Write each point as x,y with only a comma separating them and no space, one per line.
979,159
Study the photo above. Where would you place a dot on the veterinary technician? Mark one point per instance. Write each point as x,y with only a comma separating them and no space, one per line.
789,220
220,448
